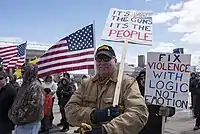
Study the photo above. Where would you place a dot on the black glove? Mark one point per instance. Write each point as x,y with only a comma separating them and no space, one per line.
106,114
100,130
166,111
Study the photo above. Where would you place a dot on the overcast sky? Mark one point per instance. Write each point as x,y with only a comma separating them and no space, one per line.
176,23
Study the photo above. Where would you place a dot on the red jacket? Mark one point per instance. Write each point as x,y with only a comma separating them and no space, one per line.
47,104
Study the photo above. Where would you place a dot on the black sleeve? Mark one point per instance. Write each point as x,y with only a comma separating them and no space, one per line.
12,94
68,92
58,92
12,91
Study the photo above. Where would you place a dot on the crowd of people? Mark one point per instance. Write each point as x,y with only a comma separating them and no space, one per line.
28,108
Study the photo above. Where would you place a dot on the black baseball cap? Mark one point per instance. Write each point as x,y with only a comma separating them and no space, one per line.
105,50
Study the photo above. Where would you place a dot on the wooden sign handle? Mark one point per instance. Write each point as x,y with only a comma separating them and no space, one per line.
163,124
120,74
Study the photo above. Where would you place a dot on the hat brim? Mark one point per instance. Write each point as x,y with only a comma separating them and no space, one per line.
104,53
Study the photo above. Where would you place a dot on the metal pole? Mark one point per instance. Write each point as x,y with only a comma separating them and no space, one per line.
95,45
6,42
93,71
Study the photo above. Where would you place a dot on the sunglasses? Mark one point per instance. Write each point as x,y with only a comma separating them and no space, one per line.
103,58
142,78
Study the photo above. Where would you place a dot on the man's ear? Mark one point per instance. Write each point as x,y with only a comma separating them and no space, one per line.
115,60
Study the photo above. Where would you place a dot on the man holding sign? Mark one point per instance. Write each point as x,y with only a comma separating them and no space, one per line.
154,123
92,104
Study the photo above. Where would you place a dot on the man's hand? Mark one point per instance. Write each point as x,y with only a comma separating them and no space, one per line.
164,111
147,103
85,128
107,114
99,130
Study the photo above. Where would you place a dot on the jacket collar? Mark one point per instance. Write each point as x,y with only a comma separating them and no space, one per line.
112,77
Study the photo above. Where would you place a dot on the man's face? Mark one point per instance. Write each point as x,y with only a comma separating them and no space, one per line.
105,65
142,80
66,75
49,79
193,76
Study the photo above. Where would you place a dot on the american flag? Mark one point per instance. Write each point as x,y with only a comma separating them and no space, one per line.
74,52
13,56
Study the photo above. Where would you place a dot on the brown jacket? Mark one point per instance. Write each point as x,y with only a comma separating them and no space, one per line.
94,95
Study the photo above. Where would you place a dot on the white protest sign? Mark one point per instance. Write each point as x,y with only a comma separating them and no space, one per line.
167,79
134,26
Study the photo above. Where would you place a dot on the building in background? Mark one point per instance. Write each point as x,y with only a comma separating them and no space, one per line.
178,50
141,61
193,69
128,69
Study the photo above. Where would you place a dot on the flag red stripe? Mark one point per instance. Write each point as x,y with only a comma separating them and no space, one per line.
57,46
1,48
66,56
14,54
66,69
8,50
53,53
66,63
9,57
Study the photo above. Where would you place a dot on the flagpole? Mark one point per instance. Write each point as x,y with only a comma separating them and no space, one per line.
25,53
94,39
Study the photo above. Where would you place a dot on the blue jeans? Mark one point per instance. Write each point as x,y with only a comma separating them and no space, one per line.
30,128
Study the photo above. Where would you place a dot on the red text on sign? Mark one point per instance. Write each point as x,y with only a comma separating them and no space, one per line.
131,34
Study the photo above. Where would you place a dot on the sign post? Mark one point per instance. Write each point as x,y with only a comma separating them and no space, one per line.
120,75
163,124
127,26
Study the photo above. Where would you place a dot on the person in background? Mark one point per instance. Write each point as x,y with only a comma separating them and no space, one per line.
1,64
67,76
82,80
7,96
64,92
92,102
49,83
72,83
27,110
154,123
194,92
45,123
13,82
196,105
